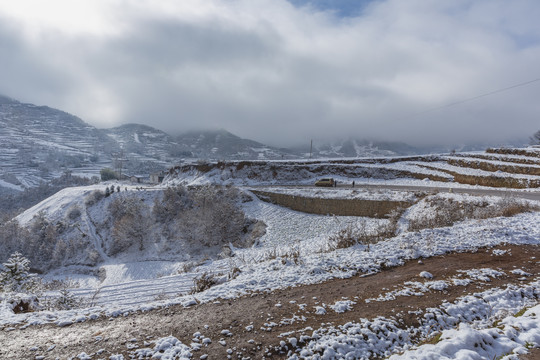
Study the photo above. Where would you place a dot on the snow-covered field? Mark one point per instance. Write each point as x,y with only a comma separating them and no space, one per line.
135,286
297,249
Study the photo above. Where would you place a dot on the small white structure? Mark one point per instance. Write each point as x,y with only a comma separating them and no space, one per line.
157,178
137,179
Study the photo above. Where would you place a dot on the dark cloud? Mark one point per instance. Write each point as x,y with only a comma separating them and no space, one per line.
283,74
342,8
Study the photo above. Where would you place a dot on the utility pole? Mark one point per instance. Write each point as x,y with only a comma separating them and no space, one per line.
118,162
311,149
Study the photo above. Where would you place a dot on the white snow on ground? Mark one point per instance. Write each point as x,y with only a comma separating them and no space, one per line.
61,200
477,172
470,329
272,266
342,306
166,348
512,336
10,186
57,204
295,251
497,162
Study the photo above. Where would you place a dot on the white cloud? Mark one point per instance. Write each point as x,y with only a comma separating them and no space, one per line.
277,73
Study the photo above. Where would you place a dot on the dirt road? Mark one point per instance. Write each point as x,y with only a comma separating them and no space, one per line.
256,321
529,195
532,194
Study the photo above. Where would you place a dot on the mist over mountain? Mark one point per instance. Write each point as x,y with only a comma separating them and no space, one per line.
40,143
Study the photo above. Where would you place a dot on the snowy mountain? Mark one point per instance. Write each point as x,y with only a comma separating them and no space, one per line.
356,147
40,143
142,140
221,144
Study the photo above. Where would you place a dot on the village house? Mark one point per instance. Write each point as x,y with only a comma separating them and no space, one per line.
157,178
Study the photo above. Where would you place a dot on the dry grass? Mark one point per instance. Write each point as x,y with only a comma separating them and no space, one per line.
340,207
522,152
203,282
291,255
186,267
490,181
360,234
488,166
233,273
496,181
446,212
511,207
521,161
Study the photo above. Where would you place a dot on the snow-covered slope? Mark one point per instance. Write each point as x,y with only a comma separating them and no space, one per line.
39,143
297,249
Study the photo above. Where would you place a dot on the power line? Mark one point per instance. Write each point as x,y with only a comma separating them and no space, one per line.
481,96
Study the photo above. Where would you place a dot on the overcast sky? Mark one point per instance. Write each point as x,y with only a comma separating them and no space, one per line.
282,72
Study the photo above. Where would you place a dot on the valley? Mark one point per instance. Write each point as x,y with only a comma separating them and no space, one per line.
305,284
236,254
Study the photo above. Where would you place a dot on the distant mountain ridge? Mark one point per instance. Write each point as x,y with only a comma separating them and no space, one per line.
356,148
40,143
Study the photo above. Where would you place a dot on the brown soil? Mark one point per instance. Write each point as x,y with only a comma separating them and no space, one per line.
118,335
534,354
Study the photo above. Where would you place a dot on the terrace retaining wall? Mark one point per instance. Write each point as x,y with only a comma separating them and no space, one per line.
339,207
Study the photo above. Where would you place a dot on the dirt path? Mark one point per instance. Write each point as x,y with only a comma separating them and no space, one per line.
285,311
529,194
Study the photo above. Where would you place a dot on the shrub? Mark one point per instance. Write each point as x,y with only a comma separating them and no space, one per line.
344,238
359,234
16,277
446,212
108,174
94,197
214,218
174,201
186,267
131,223
203,282
23,303
67,301
74,213
535,139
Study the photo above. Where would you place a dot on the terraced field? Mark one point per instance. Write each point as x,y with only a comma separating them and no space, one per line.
499,168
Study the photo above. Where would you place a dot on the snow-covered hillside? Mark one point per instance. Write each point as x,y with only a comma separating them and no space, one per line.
297,249
39,143
497,168
469,305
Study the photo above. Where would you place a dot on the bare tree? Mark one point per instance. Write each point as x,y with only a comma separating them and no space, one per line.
174,201
215,217
535,139
132,223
